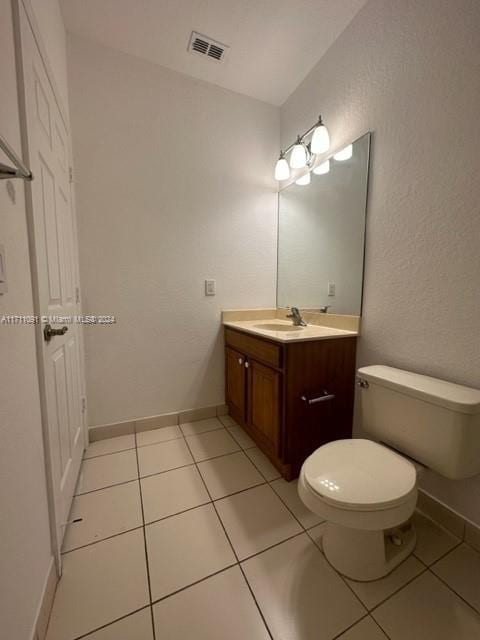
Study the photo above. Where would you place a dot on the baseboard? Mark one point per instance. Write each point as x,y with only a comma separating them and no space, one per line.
46,602
449,519
112,430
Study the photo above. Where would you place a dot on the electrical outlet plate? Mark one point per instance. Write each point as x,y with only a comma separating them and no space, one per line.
210,287
331,288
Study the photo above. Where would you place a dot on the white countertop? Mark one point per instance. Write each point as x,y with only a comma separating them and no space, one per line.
291,334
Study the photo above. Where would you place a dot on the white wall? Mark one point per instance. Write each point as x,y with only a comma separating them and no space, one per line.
25,552
409,71
174,185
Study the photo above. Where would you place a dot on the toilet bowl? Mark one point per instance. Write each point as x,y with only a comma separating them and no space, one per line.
367,494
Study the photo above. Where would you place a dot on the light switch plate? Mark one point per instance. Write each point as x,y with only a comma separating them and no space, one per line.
3,271
210,287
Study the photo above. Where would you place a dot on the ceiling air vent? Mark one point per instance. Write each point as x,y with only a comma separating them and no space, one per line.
205,46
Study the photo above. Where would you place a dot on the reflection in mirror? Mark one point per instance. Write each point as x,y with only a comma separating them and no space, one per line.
321,236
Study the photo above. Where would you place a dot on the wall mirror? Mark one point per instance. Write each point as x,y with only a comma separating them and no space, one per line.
321,235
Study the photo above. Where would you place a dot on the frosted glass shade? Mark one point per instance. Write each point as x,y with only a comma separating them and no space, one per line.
304,180
320,139
282,170
344,154
298,157
322,168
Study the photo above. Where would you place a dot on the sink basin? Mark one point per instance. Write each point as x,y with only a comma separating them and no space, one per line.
272,326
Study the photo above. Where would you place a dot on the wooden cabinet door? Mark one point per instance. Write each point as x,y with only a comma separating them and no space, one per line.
264,394
236,384
314,369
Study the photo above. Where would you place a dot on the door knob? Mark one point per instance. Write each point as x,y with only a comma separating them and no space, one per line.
48,332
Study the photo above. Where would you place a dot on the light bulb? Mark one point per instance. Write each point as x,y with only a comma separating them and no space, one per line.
298,157
344,154
320,139
282,170
322,168
304,180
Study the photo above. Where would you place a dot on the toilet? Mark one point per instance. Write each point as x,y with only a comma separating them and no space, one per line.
367,490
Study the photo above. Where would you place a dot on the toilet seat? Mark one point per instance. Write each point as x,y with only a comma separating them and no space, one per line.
360,475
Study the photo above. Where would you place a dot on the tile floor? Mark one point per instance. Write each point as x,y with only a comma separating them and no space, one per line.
189,533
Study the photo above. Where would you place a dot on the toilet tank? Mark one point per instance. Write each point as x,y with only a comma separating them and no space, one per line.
432,421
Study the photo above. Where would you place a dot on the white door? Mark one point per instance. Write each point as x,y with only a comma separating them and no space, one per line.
55,267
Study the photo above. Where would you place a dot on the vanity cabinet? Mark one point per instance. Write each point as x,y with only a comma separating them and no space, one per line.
290,397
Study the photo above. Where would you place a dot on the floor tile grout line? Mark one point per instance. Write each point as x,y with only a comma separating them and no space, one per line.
394,593
108,453
233,548
342,577
289,509
339,635
257,467
253,446
183,466
344,580
235,493
272,546
222,455
442,580
237,563
444,555
145,541
252,593
108,624
193,584
379,626
424,570
141,446
189,435
108,486
151,444
91,544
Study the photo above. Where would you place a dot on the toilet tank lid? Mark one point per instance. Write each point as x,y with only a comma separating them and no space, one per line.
455,397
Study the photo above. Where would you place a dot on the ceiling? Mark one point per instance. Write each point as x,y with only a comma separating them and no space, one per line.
274,43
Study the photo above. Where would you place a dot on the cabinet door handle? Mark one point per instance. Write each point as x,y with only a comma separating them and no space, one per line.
240,361
246,365
323,398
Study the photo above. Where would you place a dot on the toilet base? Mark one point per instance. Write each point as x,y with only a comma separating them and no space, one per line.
367,555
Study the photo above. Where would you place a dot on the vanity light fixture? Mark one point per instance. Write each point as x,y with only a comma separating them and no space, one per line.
320,139
299,155
282,170
322,169
302,152
344,154
304,180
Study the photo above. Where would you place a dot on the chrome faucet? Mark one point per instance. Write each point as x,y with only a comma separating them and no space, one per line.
297,319
325,308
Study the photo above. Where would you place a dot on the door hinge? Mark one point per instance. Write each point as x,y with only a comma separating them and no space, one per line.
77,294
70,174
84,404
